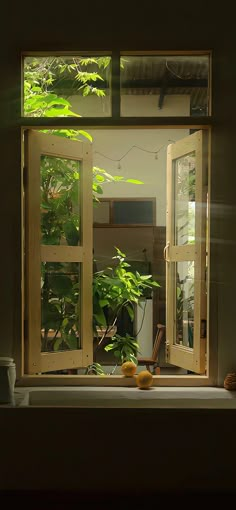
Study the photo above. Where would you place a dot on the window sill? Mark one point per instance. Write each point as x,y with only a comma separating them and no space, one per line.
109,397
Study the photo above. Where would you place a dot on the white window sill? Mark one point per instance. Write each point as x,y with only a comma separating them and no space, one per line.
110,397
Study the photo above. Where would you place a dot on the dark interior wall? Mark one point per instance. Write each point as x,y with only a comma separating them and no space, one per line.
84,451
175,27
204,463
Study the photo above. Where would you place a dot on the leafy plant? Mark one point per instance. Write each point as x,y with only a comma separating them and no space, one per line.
43,76
94,368
59,305
116,288
184,306
125,348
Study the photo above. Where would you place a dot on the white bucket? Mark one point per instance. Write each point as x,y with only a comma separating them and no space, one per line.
7,380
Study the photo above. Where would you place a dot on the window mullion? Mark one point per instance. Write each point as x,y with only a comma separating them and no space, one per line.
115,85
114,121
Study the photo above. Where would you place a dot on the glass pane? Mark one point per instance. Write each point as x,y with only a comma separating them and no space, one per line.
184,303
60,306
62,86
165,85
184,199
127,212
60,201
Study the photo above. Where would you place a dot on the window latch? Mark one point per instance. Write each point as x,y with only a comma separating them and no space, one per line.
166,252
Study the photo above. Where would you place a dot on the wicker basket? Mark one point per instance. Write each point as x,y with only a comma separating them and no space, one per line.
230,381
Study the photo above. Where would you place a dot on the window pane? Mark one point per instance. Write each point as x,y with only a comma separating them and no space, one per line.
127,212
67,86
184,304
184,203
60,306
60,201
164,85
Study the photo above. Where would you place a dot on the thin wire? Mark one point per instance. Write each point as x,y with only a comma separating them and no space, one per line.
131,148
188,77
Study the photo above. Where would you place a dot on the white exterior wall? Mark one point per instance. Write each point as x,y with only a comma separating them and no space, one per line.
114,143
132,105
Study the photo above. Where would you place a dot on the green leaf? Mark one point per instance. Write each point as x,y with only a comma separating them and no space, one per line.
57,343
130,312
98,368
87,60
60,112
61,285
109,347
72,340
103,302
100,318
100,178
51,317
133,358
99,92
53,239
134,181
86,135
53,99
99,190
36,89
85,77
120,252
71,233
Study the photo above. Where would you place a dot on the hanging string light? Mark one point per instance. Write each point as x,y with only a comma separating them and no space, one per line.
118,160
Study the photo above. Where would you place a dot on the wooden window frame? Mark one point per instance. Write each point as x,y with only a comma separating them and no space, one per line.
120,122
192,359
37,144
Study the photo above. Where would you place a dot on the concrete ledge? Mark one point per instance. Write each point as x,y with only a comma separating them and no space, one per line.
114,397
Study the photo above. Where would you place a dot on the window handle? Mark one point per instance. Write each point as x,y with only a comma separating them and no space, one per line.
166,252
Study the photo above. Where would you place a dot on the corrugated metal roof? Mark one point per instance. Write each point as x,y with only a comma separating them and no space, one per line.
167,75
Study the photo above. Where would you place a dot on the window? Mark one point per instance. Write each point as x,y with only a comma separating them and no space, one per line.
62,202
58,264
186,252
125,211
165,85
72,85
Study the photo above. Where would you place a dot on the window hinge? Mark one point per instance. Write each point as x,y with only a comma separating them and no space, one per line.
167,352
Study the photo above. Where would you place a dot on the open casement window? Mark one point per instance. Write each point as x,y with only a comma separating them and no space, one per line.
58,253
185,252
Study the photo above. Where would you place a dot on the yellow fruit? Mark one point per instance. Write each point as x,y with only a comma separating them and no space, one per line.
144,379
128,368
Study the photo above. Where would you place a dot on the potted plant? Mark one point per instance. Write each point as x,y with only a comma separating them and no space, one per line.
116,288
125,348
